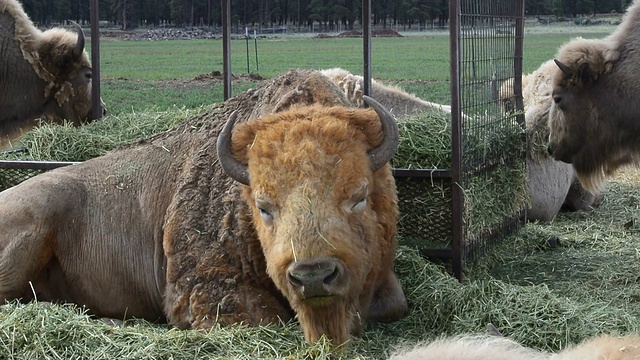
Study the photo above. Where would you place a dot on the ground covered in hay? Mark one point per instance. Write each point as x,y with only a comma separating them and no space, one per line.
547,286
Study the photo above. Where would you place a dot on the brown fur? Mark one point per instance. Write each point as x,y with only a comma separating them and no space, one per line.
157,230
40,76
594,121
330,143
604,347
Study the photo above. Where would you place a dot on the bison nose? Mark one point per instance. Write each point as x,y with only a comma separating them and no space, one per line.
317,277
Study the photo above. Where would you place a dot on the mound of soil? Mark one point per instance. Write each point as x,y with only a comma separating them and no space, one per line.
218,75
356,33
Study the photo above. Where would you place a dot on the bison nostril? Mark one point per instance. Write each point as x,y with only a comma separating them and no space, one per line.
293,280
331,277
303,275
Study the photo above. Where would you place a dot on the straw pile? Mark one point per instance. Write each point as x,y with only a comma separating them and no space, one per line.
538,293
68,143
546,316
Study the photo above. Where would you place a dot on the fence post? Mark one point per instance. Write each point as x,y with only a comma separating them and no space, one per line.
96,104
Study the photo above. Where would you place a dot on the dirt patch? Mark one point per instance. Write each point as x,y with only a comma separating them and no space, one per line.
207,81
218,75
356,33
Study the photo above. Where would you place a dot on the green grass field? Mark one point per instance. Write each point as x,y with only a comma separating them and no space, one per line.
144,74
543,294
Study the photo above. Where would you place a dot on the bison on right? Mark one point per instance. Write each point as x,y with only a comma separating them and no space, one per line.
553,185
595,117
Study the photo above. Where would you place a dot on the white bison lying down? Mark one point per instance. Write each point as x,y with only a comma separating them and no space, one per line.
552,184
489,347
43,75
396,100
294,214
595,117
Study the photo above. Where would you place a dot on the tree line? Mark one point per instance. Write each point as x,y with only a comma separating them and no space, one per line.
295,14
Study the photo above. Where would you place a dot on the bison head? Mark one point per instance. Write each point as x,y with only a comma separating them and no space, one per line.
586,124
571,118
586,117
68,71
325,210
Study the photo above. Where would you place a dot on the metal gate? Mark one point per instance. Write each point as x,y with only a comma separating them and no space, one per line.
437,205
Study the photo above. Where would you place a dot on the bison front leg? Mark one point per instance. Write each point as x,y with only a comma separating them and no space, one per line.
28,222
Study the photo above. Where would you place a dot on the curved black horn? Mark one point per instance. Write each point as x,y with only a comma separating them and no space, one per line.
79,49
565,69
235,169
385,151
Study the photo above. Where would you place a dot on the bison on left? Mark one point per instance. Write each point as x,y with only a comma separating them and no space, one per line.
160,230
43,75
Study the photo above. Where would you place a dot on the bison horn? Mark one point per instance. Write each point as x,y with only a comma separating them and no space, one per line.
565,69
385,151
79,49
235,169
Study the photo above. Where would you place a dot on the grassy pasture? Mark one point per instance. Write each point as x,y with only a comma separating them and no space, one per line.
143,74
545,294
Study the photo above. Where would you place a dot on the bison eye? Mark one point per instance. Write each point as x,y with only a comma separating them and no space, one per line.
266,215
360,205
557,99
267,209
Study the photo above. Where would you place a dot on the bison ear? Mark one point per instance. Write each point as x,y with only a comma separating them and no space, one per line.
585,74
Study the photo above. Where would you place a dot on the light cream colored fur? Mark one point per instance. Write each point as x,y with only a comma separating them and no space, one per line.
387,95
469,347
486,347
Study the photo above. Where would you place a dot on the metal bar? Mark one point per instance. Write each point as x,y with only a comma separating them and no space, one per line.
457,196
96,104
226,47
437,253
423,173
36,165
517,61
366,45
